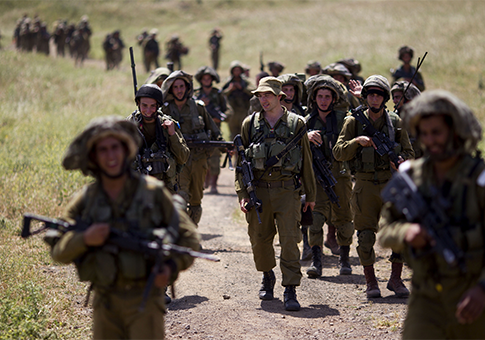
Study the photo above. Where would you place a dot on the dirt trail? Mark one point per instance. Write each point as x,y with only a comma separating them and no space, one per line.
220,300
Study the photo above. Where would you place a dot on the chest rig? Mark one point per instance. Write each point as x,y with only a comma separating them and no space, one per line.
329,132
191,123
267,142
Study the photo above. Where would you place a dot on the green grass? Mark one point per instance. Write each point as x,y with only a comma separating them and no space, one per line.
45,102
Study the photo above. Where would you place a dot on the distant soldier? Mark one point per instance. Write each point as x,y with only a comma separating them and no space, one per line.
406,71
215,45
71,28
26,36
140,38
215,104
275,68
16,34
151,50
237,91
354,67
80,41
59,37
196,125
313,68
43,38
175,50
113,48
158,76
293,88
341,73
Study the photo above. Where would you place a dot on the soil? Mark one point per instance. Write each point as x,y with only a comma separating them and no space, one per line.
219,300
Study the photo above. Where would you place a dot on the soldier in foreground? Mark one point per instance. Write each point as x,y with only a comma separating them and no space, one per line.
324,125
196,125
163,150
448,297
372,171
121,200
278,187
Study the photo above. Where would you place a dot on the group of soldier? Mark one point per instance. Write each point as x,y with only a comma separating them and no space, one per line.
282,128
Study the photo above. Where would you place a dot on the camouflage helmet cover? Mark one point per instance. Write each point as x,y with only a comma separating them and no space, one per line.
292,79
150,91
401,85
337,69
405,49
156,74
313,64
77,155
277,65
377,81
440,102
167,84
317,82
207,70
351,64
236,63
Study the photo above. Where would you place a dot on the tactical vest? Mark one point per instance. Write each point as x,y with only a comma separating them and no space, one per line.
104,266
367,159
267,142
192,124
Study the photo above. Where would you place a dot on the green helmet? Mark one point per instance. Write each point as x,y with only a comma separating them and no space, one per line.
236,63
207,70
158,74
351,64
401,85
77,155
337,69
167,84
377,81
150,91
313,64
439,102
292,79
317,82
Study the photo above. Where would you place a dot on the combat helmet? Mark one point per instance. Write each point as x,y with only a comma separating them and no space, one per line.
234,64
439,102
337,69
279,67
377,81
352,65
405,49
292,79
167,84
317,82
150,91
401,85
77,155
207,70
313,64
157,75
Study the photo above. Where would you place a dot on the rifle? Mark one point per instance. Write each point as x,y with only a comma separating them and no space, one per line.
383,144
403,193
153,250
323,174
208,144
247,178
133,71
261,64
420,62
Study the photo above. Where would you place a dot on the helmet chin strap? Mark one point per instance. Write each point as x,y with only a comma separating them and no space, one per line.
377,110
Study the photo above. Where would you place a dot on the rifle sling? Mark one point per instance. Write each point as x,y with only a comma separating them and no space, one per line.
290,146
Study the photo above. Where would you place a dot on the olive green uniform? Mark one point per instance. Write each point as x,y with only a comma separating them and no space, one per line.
119,277
279,190
372,172
325,211
239,103
177,151
437,287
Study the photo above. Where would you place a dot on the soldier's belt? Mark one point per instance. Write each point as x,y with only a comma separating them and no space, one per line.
276,184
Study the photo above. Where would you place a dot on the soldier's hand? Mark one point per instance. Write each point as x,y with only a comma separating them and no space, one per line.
307,205
365,141
242,205
315,137
416,236
161,280
96,234
355,88
400,160
471,305
170,126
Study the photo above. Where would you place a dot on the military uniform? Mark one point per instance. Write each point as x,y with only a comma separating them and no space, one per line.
156,138
151,51
215,45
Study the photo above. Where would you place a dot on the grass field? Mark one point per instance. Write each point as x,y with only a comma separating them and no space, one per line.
46,101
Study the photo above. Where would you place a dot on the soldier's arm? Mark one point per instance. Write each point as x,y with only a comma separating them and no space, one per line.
307,175
407,151
392,229
346,147
239,186
209,123
177,144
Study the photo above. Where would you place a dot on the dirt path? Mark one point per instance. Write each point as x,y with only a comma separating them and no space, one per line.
220,300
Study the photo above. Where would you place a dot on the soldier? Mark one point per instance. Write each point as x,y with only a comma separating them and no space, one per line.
215,45
293,89
406,71
158,76
324,125
313,68
265,134
237,91
196,125
71,28
175,50
275,68
163,148
59,38
113,47
372,172
341,73
446,302
400,97
26,36
43,38
151,50
215,104
120,199
354,68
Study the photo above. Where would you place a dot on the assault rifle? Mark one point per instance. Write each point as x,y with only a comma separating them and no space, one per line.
209,144
247,178
133,71
155,250
383,144
403,193
323,174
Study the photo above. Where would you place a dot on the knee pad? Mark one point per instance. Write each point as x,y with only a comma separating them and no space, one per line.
366,239
318,222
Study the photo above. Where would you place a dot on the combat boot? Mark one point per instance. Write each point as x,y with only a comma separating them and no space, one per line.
331,241
291,303
315,270
213,184
344,263
168,299
267,286
372,290
307,250
195,213
395,283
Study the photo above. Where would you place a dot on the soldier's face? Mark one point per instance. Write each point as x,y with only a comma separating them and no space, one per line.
148,108
375,100
269,101
339,78
289,90
406,58
110,156
178,89
434,133
206,80
396,98
324,99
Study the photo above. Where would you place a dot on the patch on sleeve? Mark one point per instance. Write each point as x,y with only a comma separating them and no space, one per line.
481,179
